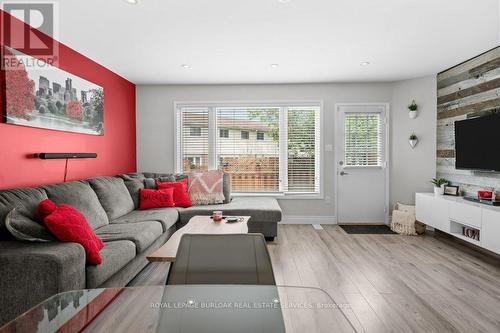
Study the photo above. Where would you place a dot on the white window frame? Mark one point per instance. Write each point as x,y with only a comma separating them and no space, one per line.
213,136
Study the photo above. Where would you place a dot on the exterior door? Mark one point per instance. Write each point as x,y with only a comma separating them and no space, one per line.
361,163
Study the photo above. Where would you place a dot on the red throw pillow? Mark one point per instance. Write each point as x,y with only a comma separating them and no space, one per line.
181,195
69,225
44,209
156,198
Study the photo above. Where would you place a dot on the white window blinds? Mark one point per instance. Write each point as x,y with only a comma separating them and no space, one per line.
264,148
302,150
253,164
193,143
363,139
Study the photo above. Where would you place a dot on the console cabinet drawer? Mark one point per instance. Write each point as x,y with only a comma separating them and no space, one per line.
490,231
464,213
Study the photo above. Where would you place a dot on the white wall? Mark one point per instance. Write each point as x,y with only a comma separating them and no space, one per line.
155,128
412,169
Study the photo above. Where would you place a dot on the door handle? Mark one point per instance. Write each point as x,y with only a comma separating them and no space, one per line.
343,173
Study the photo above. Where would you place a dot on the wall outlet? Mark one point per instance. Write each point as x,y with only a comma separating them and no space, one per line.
329,147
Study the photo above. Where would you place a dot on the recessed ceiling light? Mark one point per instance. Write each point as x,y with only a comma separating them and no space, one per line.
364,63
132,2
186,66
284,1
275,65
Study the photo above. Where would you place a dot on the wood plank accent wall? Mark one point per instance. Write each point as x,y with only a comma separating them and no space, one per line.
467,89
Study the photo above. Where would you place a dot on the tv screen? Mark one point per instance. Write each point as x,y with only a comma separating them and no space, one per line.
477,143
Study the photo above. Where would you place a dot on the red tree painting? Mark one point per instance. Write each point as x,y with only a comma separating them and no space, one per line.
74,110
20,99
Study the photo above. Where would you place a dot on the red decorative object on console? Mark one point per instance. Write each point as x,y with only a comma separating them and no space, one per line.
485,194
156,198
69,225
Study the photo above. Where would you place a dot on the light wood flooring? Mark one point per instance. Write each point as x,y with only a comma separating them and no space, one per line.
386,283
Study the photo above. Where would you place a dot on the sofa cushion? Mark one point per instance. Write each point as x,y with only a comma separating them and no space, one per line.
261,209
142,234
25,229
166,216
113,196
25,200
226,187
81,196
115,255
134,182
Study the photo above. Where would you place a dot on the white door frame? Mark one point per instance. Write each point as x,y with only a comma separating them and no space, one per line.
387,156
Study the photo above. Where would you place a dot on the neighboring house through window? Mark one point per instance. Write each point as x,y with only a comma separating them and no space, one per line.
260,136
224,133
195,131
245,135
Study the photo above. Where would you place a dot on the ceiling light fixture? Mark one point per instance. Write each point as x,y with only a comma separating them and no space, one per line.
364,63
275,65
186,66
132,2
284,1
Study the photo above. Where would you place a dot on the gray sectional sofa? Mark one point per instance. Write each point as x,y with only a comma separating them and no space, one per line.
33,271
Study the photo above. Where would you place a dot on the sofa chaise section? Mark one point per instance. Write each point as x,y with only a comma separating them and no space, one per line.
265,213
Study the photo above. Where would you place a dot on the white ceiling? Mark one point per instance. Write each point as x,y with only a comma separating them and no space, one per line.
236,41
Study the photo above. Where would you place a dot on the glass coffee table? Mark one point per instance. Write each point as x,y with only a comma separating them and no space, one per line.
187,309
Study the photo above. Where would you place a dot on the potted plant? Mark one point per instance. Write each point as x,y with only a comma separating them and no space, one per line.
413,140
413,109
439,184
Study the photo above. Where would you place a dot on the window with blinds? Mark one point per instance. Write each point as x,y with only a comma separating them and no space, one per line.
264,149
253,164
302,151
363,139
193,143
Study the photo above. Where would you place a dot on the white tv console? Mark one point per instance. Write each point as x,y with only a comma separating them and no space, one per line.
450,214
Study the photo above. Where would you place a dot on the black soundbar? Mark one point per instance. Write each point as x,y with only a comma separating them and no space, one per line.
55,156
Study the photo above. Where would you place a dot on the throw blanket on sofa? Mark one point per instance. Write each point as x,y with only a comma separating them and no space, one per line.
206,188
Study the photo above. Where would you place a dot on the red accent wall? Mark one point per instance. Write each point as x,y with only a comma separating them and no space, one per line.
116,150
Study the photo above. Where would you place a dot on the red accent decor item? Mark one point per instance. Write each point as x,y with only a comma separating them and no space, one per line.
156,198
69,225
484,194
44,209
181,195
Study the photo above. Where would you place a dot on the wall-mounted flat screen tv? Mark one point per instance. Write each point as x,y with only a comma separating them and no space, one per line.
477,143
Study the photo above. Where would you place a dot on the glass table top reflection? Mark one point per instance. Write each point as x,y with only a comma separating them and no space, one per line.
186,309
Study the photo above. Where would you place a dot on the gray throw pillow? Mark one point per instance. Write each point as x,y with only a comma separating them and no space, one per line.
150,183
25,229
226,187
134,184
80,195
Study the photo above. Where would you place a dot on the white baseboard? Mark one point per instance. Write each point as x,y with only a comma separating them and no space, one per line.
296,219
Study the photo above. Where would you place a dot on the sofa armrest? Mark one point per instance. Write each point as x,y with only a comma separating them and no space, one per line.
33,272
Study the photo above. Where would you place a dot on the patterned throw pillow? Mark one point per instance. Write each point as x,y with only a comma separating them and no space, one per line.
206,188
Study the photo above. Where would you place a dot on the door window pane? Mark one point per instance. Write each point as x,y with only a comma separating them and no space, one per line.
363,139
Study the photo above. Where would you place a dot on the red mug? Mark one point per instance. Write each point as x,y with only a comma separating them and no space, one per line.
217,216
